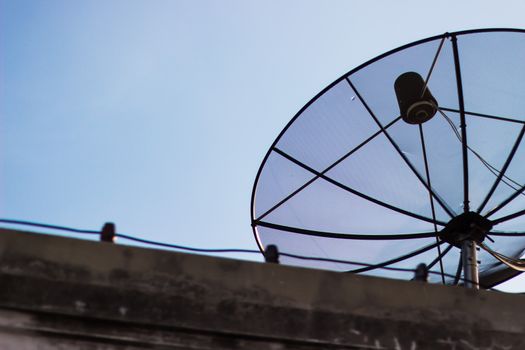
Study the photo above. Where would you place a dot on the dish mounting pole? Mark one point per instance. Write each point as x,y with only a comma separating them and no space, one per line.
469,257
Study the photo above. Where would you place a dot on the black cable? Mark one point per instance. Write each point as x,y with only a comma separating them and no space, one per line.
390,268
489,166
365,266
181,247
503,169
338,261
131,238
54,227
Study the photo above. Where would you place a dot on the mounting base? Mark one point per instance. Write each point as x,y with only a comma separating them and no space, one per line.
468,226
465,231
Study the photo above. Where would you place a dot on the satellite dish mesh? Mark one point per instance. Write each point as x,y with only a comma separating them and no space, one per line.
359,175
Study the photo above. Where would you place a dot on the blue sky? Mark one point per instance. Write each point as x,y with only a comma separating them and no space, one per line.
156,114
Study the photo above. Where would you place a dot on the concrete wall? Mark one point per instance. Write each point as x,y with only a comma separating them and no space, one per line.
61,293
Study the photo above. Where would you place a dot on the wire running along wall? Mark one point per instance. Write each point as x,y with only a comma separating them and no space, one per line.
384,266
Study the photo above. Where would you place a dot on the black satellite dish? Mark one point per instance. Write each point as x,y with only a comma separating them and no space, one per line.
414,156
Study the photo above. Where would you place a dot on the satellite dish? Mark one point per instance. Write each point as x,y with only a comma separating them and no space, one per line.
414,156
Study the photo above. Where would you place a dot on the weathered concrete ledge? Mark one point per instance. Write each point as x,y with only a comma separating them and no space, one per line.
58,293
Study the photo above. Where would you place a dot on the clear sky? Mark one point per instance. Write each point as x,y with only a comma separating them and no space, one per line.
156,114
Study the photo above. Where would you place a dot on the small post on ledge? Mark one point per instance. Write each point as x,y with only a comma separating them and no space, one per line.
108,233
271,254
421,273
